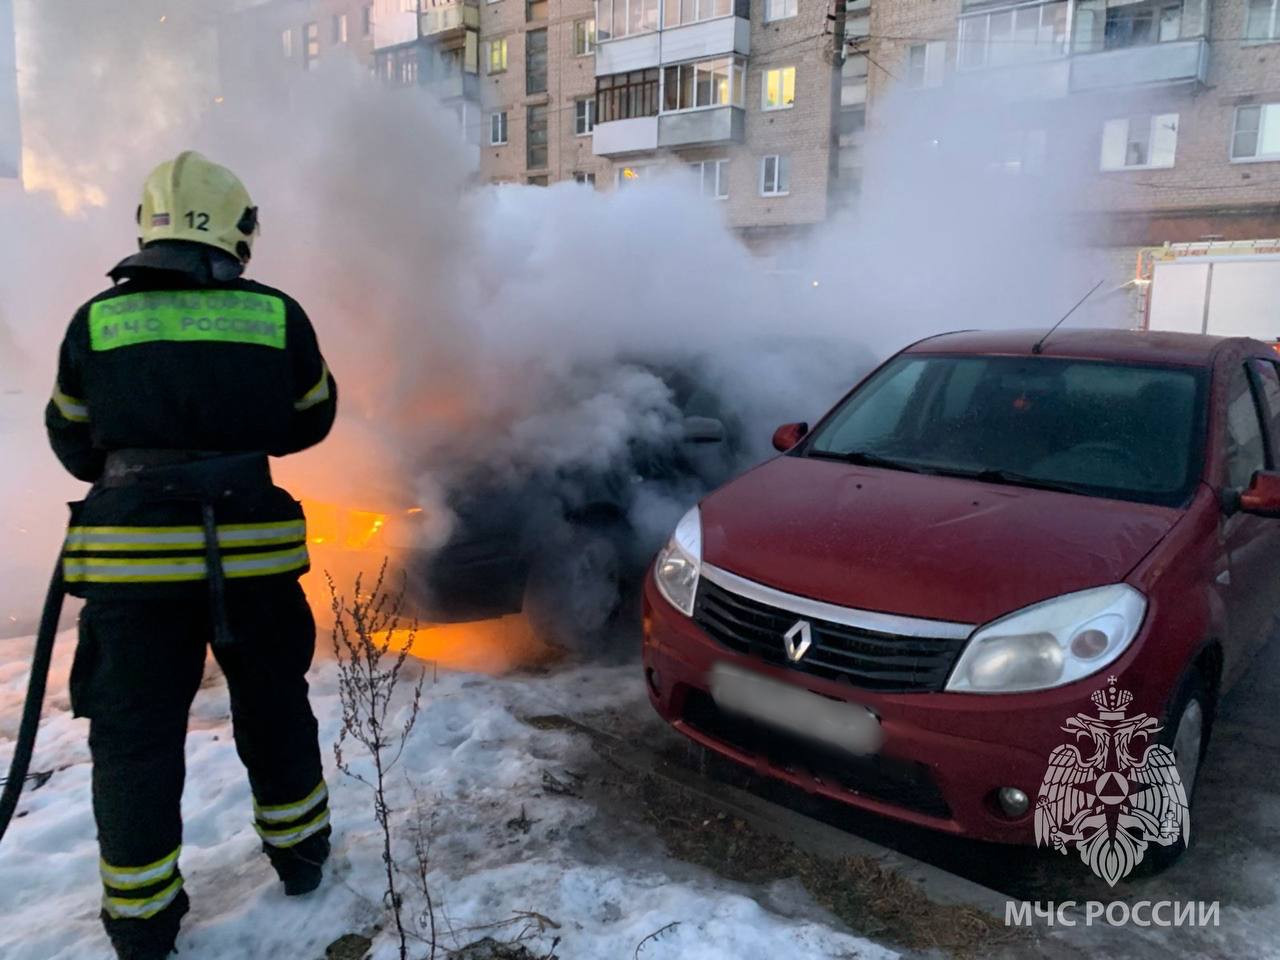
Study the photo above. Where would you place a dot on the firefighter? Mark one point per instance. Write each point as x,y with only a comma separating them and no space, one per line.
174,387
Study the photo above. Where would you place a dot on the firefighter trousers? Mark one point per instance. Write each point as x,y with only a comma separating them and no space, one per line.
137,668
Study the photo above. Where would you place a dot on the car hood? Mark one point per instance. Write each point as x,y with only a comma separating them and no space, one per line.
943,548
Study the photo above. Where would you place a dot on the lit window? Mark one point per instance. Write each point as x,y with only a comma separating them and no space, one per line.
1257,133
498,128
311,45
774,176
1141,142
584,37
584,116
498,55
779,9
778,88
707,83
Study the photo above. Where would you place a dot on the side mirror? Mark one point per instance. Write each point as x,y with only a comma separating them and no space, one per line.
788,435
1263,495
703,430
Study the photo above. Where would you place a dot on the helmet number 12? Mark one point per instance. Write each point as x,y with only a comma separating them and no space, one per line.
198,221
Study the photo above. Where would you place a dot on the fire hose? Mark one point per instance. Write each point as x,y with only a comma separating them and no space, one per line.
26,740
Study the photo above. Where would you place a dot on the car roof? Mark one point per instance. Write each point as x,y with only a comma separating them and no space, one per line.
1141,346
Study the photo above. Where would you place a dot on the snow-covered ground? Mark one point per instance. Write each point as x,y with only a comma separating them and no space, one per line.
476,765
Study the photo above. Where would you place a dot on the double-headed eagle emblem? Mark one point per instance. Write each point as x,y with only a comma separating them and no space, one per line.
1119,794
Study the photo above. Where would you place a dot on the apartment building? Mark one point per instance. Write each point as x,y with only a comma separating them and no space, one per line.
742,93
538,91
1165,113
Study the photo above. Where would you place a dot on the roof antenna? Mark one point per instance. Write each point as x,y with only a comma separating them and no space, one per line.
1038,347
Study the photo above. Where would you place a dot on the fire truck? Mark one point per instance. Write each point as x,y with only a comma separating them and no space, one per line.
1225,287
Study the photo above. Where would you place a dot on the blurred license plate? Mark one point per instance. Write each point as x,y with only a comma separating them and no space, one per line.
835,723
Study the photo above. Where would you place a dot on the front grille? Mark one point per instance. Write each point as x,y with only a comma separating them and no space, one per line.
884,662
903,783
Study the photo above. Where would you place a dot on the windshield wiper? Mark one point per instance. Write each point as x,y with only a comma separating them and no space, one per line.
862,458
1015,479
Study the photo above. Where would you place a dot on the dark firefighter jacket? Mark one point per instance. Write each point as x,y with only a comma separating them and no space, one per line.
185,356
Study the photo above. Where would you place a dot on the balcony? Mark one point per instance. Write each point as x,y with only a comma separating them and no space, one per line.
1175,61
693,128
627,54
447,23
700,41
633,135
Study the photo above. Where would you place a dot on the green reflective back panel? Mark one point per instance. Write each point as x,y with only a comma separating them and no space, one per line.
186,316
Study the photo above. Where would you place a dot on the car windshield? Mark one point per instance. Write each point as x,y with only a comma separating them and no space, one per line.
1098,428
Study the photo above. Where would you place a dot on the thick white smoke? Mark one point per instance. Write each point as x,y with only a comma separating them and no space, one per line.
467,324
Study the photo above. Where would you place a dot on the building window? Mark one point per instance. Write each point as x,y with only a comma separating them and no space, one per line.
778,89
536,137
1142,142
587,179
624,96
712,178
311,45
584,37
676,12
535,10
584,116
926,63
622,18
535,61
1019,35
779,9
498,55
339,28
775,180
539,181
707,83
1257,133
1263,21
366,20
498,128
632,174
1139,24
286,42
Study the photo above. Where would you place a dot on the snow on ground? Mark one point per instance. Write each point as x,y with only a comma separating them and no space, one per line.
476,766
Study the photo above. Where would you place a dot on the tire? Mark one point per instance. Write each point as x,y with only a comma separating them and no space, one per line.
574,594
1187,725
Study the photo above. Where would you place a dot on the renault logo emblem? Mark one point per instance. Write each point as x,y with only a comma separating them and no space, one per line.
797,640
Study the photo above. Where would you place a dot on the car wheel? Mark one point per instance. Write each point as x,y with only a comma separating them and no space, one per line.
573,596
1186,732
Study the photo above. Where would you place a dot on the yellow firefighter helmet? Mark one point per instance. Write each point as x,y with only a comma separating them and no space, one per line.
190,198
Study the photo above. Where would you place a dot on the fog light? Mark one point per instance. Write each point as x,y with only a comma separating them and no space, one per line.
1013,801
655,681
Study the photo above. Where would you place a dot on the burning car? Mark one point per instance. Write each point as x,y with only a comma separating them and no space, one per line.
984,536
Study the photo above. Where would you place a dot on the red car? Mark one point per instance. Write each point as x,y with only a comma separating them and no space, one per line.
979,536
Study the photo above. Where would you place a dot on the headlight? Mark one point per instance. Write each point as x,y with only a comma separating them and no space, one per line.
680,562
1051,643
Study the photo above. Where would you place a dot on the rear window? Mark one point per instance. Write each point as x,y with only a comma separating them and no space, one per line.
1100,428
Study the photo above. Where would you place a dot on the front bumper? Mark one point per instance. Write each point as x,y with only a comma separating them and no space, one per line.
944,755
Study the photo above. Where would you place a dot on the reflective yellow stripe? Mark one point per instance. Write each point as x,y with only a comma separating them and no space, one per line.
185,316
71,408
180,569
124,539
317,394
294,835
143,908
130,878
290,811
